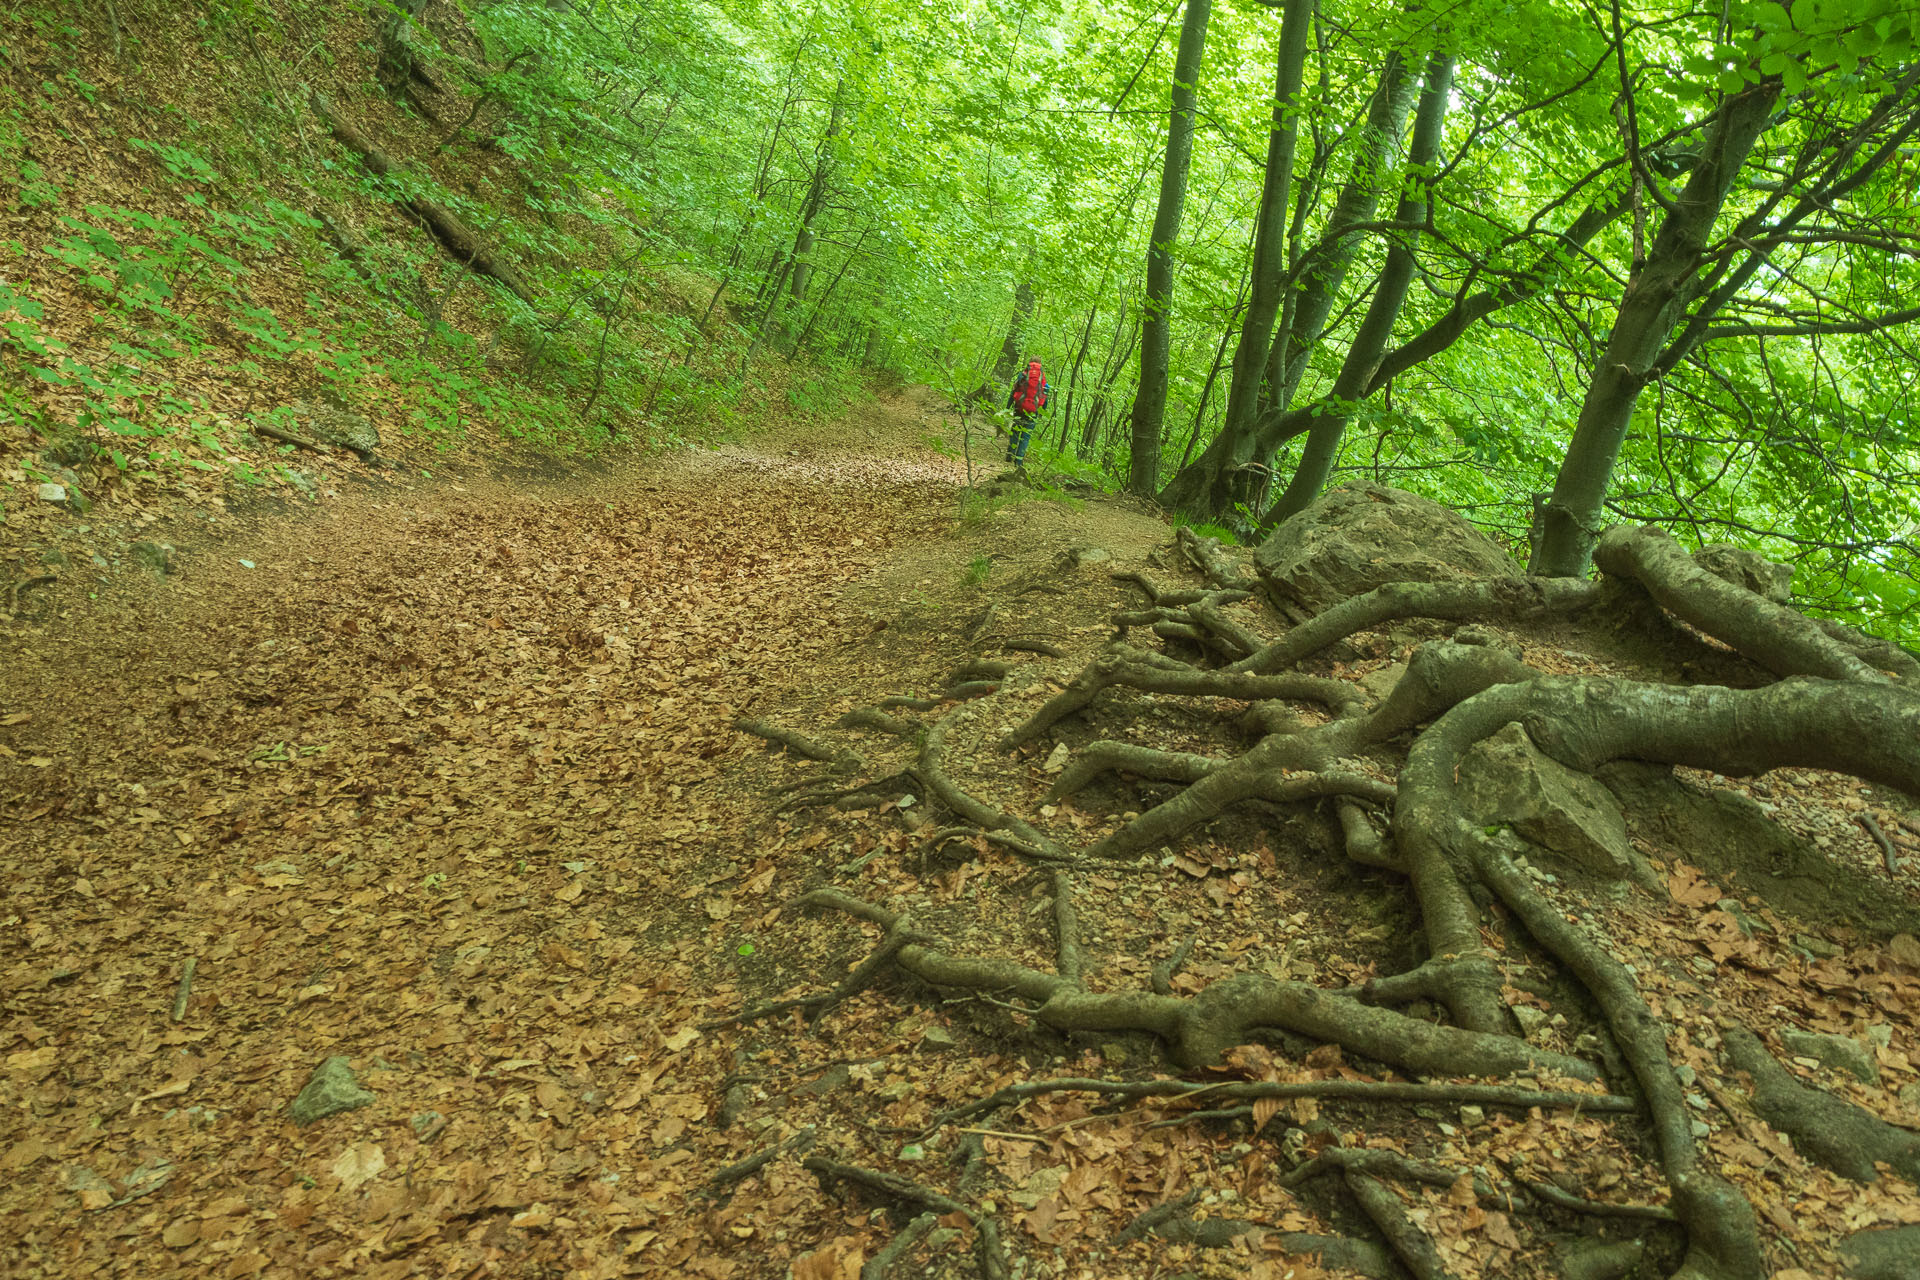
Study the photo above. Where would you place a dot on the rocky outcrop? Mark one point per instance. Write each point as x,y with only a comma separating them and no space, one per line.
1362,536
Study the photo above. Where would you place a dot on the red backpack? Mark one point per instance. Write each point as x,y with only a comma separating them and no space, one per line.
1034,394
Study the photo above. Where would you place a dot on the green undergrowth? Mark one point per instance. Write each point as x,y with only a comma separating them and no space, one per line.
148,326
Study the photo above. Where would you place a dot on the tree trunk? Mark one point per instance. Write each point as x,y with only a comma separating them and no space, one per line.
1370,343
1655,300
1269,242
1150,401
1008,361
1205,487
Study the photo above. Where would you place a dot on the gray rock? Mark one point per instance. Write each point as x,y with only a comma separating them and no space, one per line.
426,1122
1818,948
331,1091
1084,556
938,1038
1910,1096
1883,1253
1361,536
1473,1117
1749,569
1380,683
1505,779
1842,1053
50,492
70,452
157,556
834,1079
1532,1021
53,559
333,425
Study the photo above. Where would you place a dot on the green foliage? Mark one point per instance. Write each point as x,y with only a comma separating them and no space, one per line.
977,571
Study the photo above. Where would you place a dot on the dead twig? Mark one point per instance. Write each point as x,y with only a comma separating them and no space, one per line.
1872,824
741,1170
185,992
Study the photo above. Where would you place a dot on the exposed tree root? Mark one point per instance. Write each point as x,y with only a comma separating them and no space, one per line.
741,1170
1825,1129
1781,639
889,1186
1381,1163
1200,1029
794,741
881,1265
1852,719
876,719
1506,600
1174,1221
1409,1243
1133,668
1520,1098
899,934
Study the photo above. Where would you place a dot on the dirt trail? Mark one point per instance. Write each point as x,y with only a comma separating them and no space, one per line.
446,784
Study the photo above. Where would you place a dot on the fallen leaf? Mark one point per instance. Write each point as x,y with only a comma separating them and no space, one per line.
359,1163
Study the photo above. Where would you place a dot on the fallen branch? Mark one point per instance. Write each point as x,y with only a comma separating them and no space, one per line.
454,235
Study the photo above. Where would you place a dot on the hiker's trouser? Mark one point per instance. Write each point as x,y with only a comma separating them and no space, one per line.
1017,442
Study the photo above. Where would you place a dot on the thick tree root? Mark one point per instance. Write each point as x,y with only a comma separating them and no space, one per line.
1367,1091
881,1265
1723,1236
1210,558
1174,1221
879,721
1381,1163
1125,666
1825,1129
1505,600
796,742
1200,1029
1781,639
1409,1243
973,810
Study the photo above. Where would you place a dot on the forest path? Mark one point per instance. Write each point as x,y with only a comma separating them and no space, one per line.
445,783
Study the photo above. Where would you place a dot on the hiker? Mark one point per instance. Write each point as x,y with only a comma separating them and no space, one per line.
1028,397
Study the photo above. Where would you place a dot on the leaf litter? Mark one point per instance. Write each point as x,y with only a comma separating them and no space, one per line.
449,785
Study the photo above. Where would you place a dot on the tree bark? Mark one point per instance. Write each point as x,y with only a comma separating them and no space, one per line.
1370,343
1269,242
1150,401
1206,487
1655,299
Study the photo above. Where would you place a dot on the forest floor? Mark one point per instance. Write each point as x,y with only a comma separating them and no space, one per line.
445,780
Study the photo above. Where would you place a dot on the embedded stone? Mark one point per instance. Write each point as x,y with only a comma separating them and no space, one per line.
1506,780
332,1090
1841,1053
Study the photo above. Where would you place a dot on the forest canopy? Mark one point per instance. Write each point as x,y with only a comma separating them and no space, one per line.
1558,265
